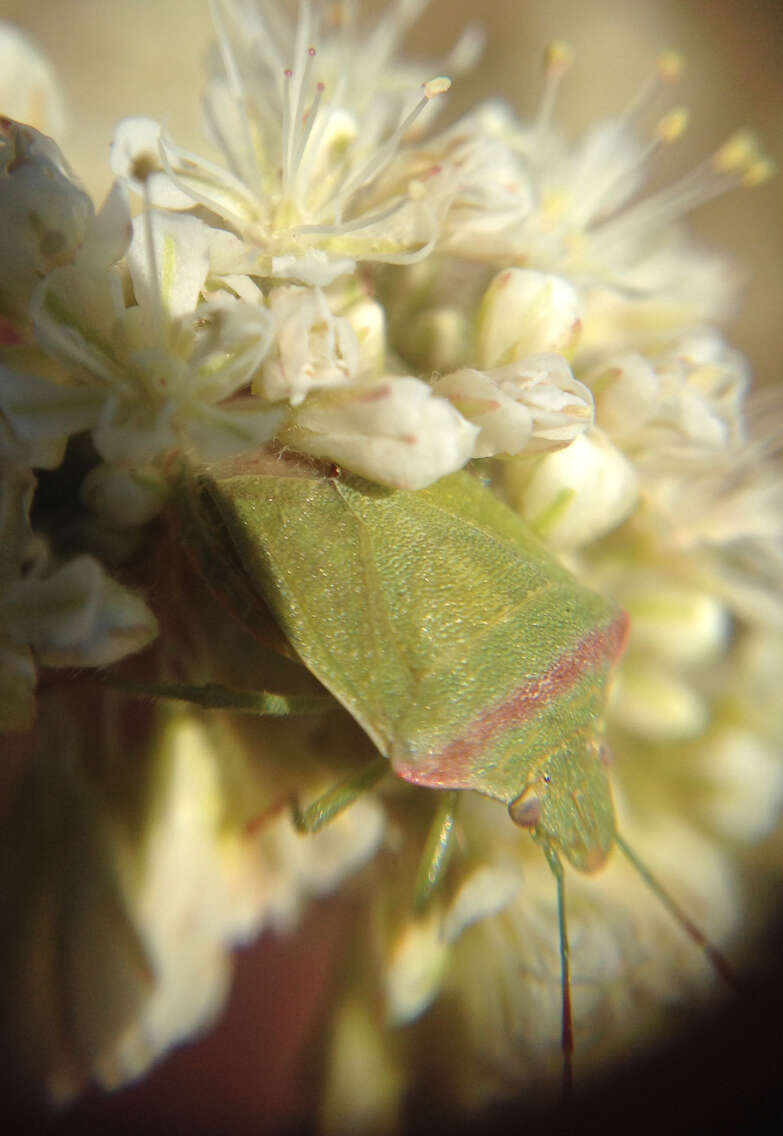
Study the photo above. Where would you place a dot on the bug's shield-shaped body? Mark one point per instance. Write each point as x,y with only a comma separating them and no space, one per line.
469,655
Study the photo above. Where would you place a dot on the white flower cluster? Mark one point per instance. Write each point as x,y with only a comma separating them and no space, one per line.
349,283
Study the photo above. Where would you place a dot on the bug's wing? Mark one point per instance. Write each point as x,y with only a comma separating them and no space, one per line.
436,617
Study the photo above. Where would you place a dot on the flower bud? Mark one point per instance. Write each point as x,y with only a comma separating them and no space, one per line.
124,496
576,495
746,783
44,213
524,312
368,320
314,349
626,395
535,404
653,702
395,432
680,625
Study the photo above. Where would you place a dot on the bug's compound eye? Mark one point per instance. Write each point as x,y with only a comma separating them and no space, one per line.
525,810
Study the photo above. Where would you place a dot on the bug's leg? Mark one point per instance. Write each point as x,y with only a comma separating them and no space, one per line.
339,797
567,1027
213,696
435,855
716,959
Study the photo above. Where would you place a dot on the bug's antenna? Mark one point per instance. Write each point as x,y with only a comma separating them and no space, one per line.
567,1029
715,957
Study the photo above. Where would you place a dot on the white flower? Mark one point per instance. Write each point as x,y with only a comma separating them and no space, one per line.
159,375
307,127
394,431
577,208
673,409
534,404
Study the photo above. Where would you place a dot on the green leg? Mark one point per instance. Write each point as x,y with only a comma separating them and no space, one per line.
567,1029
339,797
213,696
435,856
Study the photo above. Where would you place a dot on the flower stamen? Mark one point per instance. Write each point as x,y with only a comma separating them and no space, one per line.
558,59
384,154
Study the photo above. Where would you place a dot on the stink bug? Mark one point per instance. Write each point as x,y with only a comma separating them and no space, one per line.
468,654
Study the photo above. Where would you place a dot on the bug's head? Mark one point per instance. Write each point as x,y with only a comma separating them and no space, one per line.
568,801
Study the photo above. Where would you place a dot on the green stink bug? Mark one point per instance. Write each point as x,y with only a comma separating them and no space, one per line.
468,654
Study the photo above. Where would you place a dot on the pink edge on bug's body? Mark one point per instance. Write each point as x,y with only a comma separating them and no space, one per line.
453,766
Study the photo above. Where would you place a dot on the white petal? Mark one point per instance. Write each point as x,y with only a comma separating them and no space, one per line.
181,250
41,411
414,971
29,91
395,432
110,232
313,267
485,892
505,425
535,404
78,616
218,432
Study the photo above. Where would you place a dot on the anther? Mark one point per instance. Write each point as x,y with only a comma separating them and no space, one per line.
437,86
736,153
670,66
672,125
558,58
